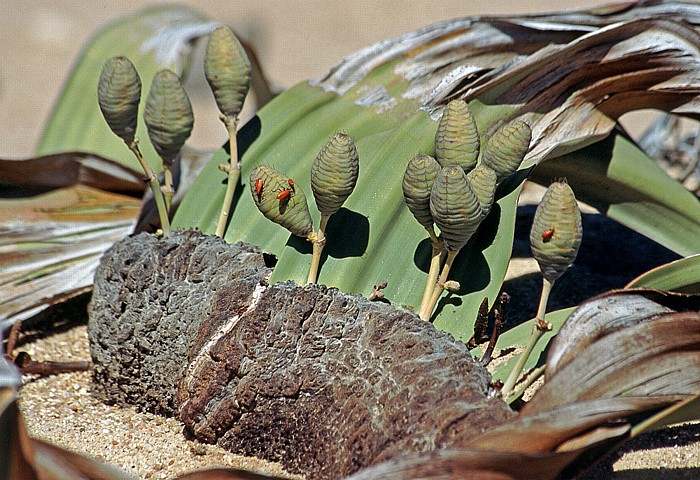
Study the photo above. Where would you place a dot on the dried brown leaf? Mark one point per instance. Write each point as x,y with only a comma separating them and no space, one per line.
546,431
226,474
51,243
608,313
470,465
658,358
71,168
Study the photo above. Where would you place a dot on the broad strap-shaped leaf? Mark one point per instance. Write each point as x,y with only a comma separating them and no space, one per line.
687,410
51,243
65,170
679,276
669,371
617,345
546,431
608,313
619,180
472,464
26,458
563,75
226,474
153,39
618,360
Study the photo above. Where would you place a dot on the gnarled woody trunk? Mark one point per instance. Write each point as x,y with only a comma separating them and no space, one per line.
324,382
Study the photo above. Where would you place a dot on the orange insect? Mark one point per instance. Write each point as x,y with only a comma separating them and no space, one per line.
291,183
258,187
284,194
547,235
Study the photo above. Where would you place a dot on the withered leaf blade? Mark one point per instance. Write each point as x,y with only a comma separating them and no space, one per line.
16,454
51,243
54,462
687,410
537,68
546,431
227,474
26,458
658,358
621,82
472,464
608,313
70,168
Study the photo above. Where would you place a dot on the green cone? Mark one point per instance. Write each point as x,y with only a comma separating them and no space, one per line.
334,173
228,71
455,207
483,181
118,94
556,231
168,115
291,211
506,149
418,180
457,139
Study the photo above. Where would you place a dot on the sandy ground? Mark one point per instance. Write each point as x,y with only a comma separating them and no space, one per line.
295,40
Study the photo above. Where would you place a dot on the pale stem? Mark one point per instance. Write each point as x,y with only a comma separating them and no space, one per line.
155,187
435,261
538,329
319,243
168,188
234,173
439,285
532,378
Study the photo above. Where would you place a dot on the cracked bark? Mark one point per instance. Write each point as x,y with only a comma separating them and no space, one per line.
324,382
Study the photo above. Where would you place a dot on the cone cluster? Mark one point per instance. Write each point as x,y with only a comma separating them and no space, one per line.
454,191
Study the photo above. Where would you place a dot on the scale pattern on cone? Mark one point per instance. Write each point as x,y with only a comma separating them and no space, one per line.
168,115
118,94
457,139
483,181
455,207
334,173
292,211
506,149
228,71
418,180
556,231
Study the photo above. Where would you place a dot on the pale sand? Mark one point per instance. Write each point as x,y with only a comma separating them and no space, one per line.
296,40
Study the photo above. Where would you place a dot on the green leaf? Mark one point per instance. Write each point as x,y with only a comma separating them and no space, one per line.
678,276
374,233
153,39
370,97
